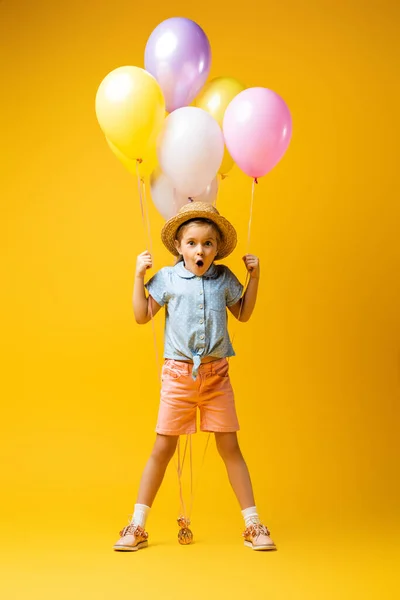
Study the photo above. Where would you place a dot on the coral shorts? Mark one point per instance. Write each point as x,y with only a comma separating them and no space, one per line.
211,392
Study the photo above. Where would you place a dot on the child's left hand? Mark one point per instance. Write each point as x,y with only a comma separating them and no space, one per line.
252,265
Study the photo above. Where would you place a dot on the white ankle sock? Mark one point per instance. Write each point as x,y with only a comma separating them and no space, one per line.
140,514
250,515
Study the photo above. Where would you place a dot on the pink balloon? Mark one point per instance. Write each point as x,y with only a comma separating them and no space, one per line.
257,129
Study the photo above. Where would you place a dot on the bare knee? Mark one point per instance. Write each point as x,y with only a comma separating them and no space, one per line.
164,448
228,446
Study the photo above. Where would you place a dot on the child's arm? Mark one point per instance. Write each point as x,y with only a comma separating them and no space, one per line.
243,309
143,307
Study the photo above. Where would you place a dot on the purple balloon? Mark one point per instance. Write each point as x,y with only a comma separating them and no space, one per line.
178,55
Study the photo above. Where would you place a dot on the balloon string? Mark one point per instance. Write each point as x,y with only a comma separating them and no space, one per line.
180,471
218,190
191,471
153,325
144,209
140,193
180,467
255,181
147,213
194,489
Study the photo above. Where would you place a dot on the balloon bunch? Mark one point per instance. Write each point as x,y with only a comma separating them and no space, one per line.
207,128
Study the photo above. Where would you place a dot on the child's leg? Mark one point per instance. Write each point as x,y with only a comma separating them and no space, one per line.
238,473
154,471
133,536
256,535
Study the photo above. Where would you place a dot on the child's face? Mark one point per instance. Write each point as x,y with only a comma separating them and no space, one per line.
198,246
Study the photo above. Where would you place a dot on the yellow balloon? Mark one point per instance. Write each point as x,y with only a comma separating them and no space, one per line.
145,168
214,99
217,94
130,108
227,163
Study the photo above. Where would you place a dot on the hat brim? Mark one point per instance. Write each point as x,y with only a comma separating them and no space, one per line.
225,246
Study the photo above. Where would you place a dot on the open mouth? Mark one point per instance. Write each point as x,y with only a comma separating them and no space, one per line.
199,263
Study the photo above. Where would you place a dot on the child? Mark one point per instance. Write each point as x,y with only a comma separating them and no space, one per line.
195,293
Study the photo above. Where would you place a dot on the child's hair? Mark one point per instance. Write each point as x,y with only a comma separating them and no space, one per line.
197,221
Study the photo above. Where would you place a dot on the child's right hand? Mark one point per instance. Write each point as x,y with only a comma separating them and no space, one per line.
143,262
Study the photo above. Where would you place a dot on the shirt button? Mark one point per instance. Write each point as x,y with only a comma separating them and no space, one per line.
201,321
202,337
200,306
201,293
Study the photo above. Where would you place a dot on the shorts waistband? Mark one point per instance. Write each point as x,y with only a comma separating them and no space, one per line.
187,367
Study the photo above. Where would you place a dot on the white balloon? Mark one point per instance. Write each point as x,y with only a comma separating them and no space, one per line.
168,200
190,149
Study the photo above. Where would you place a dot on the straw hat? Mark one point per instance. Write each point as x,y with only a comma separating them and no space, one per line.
200,210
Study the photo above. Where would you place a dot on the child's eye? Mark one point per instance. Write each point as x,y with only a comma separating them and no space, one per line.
191,243
208,243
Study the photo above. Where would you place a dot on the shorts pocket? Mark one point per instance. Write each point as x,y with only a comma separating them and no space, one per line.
171,372
221,369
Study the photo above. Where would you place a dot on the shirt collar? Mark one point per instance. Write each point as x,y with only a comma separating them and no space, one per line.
186,274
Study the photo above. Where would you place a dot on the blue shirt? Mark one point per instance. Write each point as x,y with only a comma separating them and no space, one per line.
195,315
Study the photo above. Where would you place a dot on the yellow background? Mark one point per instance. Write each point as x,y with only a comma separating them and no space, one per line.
317,367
